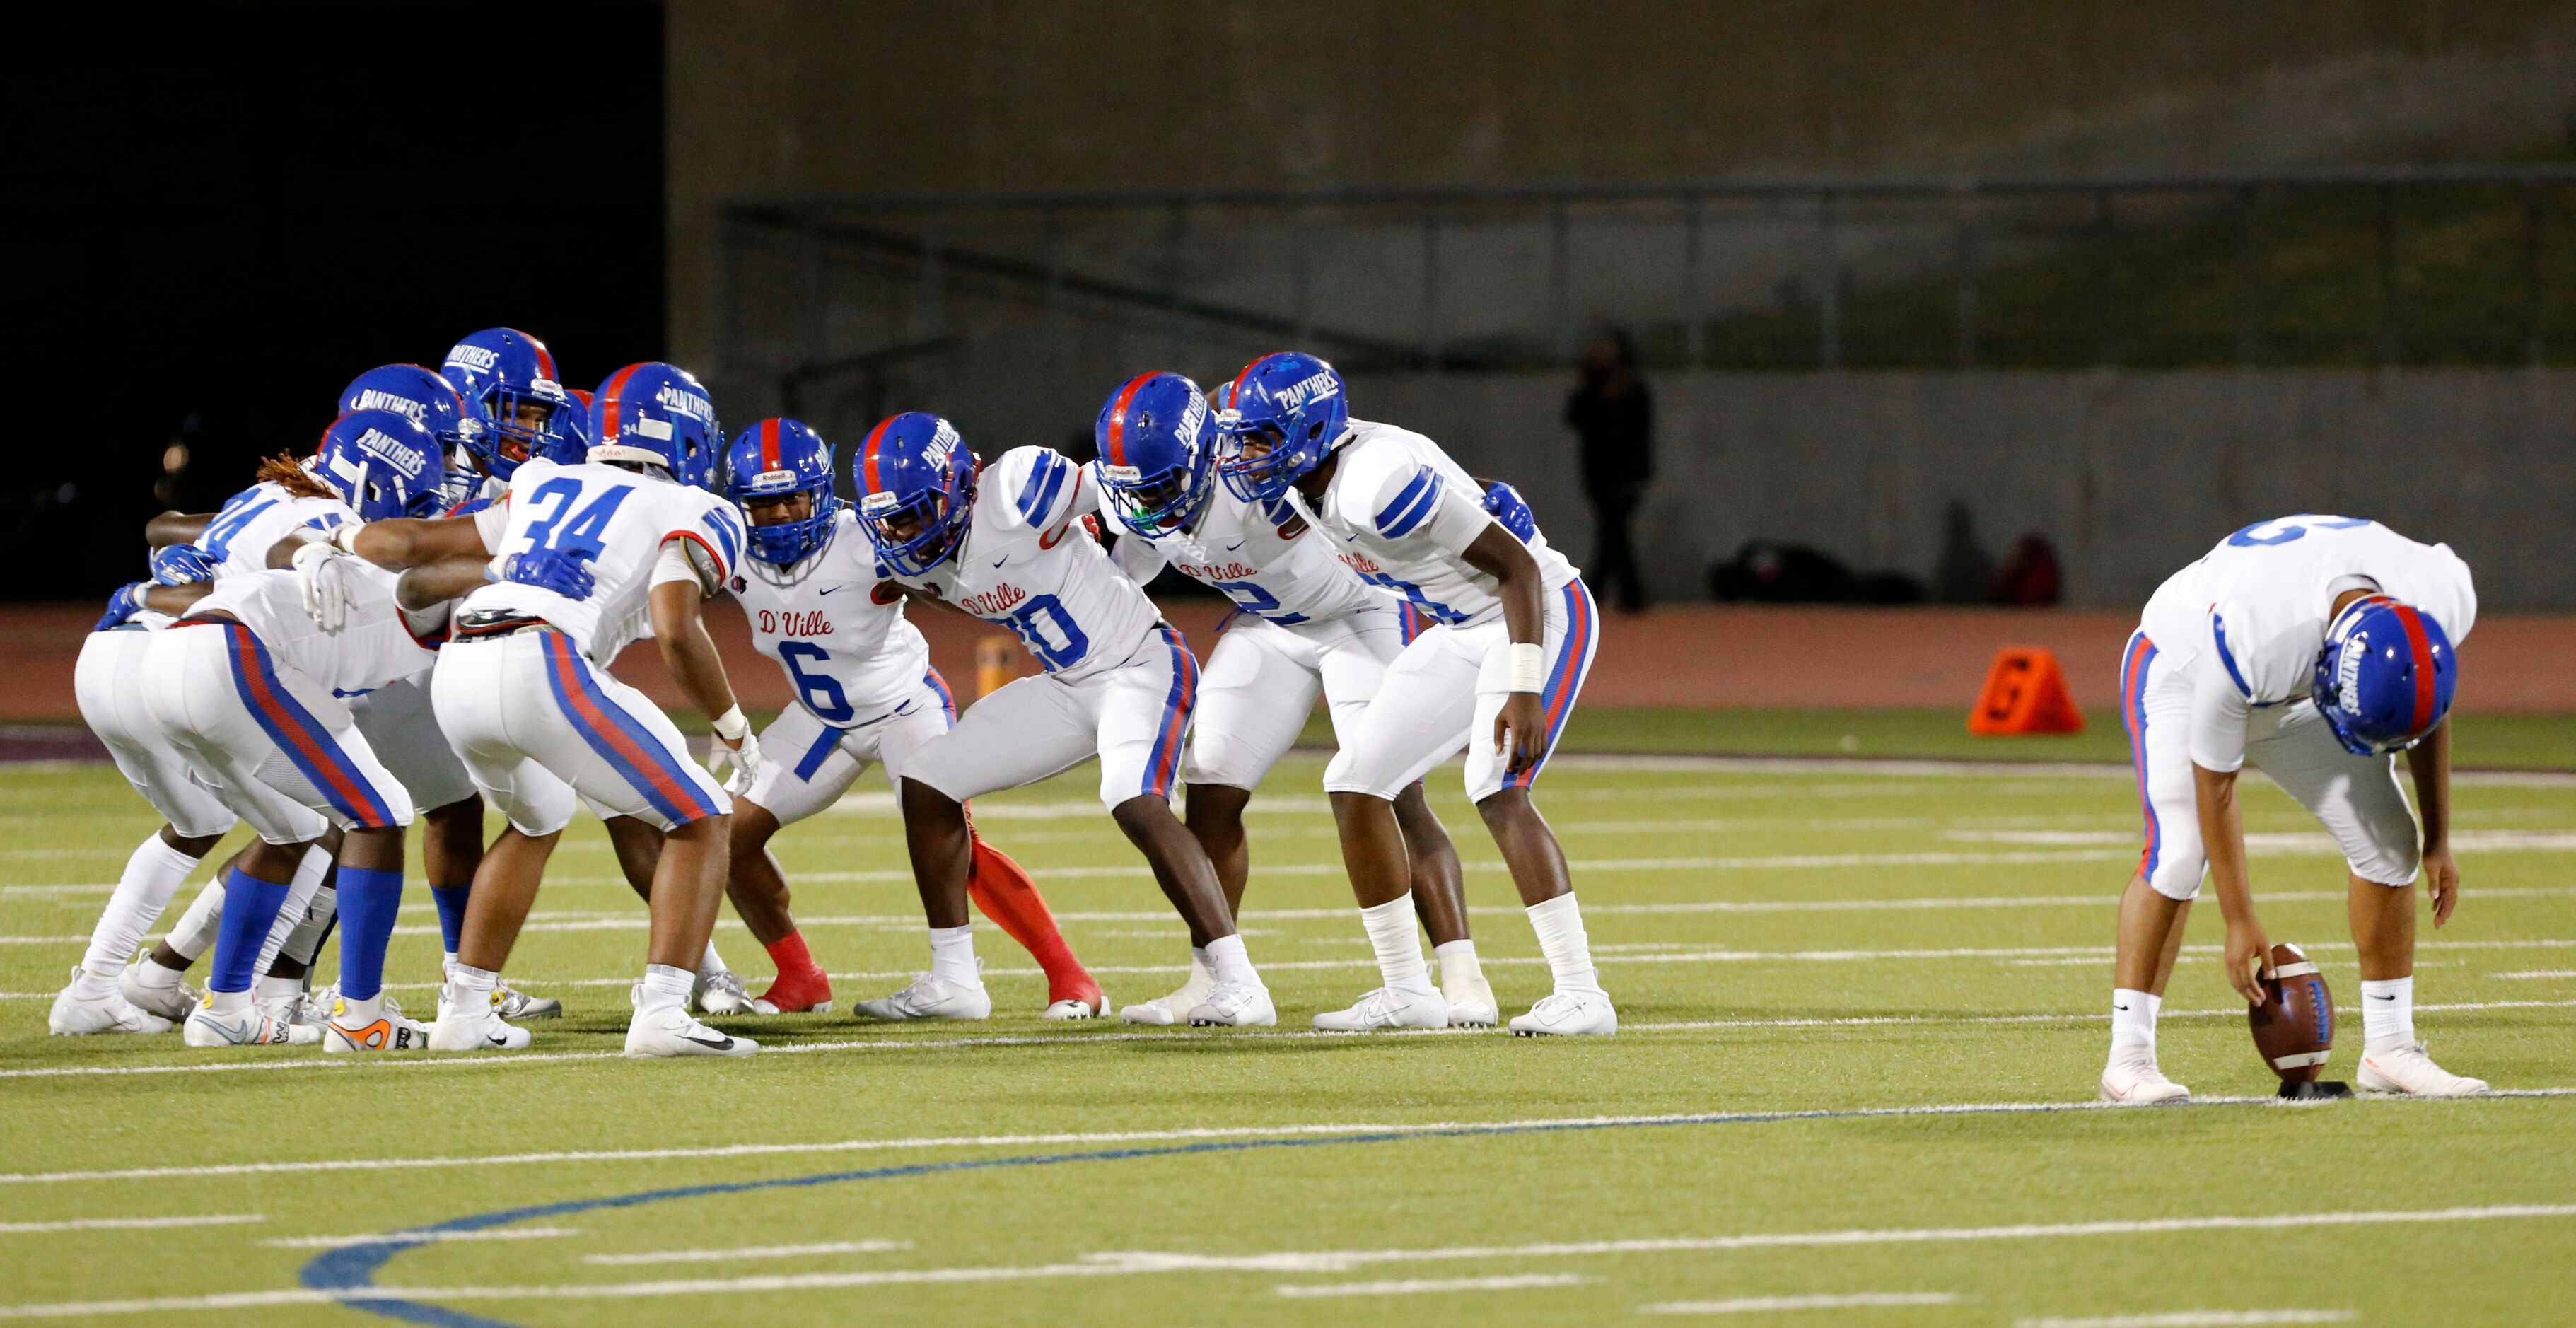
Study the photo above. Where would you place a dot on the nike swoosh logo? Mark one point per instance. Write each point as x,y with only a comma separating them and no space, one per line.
713,1044
1234,546
1006,557
2121,1008
2379,998
497,1039
829,589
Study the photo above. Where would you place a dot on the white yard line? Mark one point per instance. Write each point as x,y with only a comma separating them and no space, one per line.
2539,974
440,1237
285,1060
1419,1286
1776,1304
649,1258
1307,1129
1138,1263
2194,1319
129,1223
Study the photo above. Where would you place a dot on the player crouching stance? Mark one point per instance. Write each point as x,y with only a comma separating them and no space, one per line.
246,685
1497,673
865,692
1303,623
1119,683
2315,647
523,695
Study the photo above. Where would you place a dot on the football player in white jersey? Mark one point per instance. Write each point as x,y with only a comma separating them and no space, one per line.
516,408
523,694
1513,635
287,494
2314,647
1303,623
107,682
1011,546
865,692
246,687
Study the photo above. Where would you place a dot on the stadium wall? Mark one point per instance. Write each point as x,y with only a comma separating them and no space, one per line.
805,97
1694,656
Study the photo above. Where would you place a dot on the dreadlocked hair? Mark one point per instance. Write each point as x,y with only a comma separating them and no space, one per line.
289,474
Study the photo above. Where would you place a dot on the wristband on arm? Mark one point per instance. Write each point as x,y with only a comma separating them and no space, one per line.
1528,672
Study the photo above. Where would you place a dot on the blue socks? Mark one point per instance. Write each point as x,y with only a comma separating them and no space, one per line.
250,909
451,911
368,902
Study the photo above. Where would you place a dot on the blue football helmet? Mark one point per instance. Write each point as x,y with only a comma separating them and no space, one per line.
914,471
408,389
382,463
1157,442
503,374
1293,403
777,459
657,414
572,434
2385,677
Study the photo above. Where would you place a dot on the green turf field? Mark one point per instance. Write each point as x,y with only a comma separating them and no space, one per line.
1856,998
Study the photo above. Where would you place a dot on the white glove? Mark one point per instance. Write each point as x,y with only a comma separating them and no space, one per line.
744,757
323,573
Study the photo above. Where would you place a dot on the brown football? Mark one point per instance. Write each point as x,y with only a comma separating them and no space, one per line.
2294,1026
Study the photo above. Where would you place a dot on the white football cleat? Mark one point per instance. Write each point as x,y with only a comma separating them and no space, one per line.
930,997
391,1032
1234,1005
510,1003
1569,1014
1472,1004
1165,1011
2134,1081
1067,1011
724,994
472,1026
670,1031
242,1028
299,1009
173,1001
75,1015
2410,1071
1388,1008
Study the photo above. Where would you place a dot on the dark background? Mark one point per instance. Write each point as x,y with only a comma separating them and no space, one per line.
219,214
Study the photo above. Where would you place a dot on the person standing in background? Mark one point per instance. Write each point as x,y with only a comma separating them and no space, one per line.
1614,416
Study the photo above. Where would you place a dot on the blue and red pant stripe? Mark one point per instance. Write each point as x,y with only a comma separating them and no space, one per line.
1166,765
628,747
304,739
1565,678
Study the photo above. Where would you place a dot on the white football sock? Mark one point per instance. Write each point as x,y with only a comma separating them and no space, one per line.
1229,962
153,873
1559,924
2133,1022
300,889
2388,1014
952,956
228,1002
664,988
194,933
711,964
269,989
358,1014
1459,967
471,987
1399,956
305,941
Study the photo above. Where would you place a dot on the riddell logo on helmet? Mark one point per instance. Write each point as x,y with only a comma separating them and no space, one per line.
393,452
673,397
1296,396
478,359
371,399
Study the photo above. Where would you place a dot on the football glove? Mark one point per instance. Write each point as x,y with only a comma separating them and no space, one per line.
124,604
182,565
326,578
1508,507
566,574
